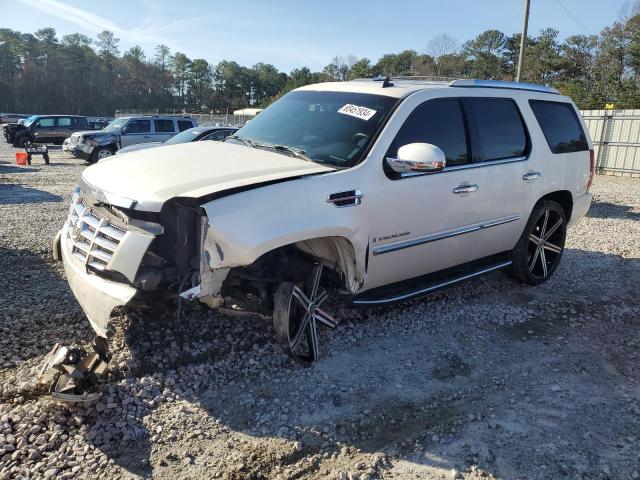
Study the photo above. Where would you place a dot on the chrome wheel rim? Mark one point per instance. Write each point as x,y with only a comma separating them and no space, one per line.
104,153
305,315
546,243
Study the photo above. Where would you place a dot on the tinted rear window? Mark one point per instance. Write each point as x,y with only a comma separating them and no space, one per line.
164,126
560,125
184,125
495,128
438,122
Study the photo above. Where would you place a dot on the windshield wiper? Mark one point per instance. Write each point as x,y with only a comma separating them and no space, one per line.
246,141
296,152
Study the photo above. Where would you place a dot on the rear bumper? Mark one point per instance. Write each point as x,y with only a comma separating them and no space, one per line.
97,296
581,204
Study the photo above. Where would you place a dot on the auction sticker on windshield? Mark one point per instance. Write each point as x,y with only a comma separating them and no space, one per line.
362,113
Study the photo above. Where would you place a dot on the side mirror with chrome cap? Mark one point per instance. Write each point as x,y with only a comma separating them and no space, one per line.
418,158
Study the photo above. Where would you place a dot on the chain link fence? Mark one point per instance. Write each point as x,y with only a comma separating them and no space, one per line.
203,118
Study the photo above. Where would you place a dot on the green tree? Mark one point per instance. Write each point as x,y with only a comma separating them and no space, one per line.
486,54
360,69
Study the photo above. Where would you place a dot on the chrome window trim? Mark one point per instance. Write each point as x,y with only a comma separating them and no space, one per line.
434,237
467,166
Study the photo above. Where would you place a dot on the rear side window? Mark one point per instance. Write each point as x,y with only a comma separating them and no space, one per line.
139,126
560,125
184,125
496,129
164,126
438,122
64,122
218,135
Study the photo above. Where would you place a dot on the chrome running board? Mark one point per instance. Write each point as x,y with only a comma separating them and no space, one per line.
424,285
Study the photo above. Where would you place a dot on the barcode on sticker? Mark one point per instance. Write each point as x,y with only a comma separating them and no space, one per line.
363,113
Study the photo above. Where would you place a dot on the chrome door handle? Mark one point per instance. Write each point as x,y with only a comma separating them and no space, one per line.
531,176
465,189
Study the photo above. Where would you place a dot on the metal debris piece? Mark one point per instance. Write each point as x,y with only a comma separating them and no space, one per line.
74,374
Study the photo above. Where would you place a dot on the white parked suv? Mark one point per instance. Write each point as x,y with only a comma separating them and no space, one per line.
378,190
94,145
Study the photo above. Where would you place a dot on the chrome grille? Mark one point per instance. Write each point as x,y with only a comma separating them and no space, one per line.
93,237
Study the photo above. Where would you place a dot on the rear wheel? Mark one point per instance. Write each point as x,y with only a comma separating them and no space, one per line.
538,252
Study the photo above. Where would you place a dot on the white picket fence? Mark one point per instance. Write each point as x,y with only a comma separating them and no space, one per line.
616,140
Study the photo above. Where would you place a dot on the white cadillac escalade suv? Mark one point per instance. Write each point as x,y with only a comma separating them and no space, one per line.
378,190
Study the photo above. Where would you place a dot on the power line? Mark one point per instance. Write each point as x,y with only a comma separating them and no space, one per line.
574,18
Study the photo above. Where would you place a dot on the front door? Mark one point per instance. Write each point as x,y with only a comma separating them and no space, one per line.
136,131
46,129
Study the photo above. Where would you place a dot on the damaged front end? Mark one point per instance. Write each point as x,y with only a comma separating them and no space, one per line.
115,256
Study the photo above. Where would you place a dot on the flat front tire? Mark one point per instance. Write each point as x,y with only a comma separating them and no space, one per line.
539,250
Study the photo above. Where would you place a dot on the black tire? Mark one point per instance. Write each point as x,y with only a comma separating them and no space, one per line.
285,313
539,250
21,141
46,159
101,152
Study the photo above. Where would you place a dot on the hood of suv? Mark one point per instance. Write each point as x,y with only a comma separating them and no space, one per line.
93,133
151,177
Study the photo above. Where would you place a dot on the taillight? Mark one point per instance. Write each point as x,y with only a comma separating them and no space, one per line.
592,167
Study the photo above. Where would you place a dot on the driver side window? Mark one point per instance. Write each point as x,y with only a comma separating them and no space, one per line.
439,122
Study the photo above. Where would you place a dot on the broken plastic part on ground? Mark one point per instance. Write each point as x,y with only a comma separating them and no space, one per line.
73,374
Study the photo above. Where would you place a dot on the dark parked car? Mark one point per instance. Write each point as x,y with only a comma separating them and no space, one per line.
215,133
12,117
44,129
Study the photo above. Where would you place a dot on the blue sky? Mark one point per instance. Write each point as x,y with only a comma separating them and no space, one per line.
293,33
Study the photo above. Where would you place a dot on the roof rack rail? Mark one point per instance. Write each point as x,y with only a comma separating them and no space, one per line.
503,84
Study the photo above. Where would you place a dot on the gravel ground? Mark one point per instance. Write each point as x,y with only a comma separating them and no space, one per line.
486,380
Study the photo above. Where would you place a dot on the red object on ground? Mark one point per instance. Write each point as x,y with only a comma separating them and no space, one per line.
21,158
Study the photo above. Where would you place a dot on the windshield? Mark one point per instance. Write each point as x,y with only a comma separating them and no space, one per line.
328,127
184,137
115,125
30,120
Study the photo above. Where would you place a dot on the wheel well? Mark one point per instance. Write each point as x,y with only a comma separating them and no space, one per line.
564,199
293,263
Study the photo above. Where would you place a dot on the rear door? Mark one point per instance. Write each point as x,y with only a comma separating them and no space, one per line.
163,129
500,152
64,127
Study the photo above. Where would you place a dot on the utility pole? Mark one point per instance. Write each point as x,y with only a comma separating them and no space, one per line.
523,39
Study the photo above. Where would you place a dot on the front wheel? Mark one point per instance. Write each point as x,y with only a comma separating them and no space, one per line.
538,252
21,142
101,152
